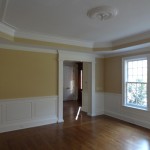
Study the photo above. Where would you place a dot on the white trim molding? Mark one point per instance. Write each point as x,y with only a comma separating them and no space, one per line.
25,48
23,113
77,57
99,104
7,29
54,39
124,80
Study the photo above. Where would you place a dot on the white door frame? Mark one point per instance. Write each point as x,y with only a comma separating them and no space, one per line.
75,56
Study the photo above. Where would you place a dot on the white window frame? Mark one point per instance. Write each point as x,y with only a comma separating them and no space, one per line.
124,79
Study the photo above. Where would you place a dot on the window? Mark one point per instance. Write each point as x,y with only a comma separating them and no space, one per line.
135,82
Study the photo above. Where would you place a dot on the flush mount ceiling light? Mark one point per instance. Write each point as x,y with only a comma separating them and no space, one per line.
102,12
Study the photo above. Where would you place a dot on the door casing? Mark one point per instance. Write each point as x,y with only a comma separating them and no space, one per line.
81,57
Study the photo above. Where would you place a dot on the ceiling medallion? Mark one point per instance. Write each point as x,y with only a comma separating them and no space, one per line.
102,12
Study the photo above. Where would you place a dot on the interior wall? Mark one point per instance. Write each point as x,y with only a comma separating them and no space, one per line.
31,74
29,89
113,72
113,93
99,86
27,74
99,74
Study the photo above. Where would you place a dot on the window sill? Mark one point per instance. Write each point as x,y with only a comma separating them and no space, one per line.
137,108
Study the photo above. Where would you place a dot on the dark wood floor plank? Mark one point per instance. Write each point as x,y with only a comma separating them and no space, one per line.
86,133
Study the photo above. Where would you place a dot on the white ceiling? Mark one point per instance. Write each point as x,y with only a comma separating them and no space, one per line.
68,18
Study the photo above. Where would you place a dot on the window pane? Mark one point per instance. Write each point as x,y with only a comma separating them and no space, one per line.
129,64
138,71
145,63
140,64
137,94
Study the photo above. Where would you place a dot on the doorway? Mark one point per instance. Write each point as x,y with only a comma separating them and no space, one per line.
80,82
72,89
77,57
70,81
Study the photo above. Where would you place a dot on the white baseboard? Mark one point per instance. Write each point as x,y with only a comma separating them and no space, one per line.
24,125
60,120
97,113
114,108
23,113
142,123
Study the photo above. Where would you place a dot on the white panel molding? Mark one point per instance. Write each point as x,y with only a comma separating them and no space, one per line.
17,111
99,103
113,107
23,113
84,99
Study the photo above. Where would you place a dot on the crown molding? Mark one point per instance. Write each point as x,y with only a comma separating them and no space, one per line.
33,39
53,45
42,49
53,39
123,52
24,48
7,29
12,31
132,45
102,49
132,39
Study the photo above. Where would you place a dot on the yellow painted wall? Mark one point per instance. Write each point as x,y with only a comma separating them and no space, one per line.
31,74
27,74
113,73
99,75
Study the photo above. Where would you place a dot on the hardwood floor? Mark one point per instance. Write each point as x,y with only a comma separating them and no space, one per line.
86,133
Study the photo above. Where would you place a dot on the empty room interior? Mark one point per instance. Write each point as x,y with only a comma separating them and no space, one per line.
74,75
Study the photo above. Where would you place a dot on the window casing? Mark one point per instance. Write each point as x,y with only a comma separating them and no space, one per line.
135,82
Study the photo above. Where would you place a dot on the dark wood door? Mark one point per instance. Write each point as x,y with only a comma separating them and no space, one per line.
80,69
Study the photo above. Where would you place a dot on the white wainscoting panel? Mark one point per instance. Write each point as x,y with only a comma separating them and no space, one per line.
46,109
85,101
113,107
17,111
99,103
27,112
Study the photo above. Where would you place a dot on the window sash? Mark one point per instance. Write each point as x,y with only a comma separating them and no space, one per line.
125,61
137,99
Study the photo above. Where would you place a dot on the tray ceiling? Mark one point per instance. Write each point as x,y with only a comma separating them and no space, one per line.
68,19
